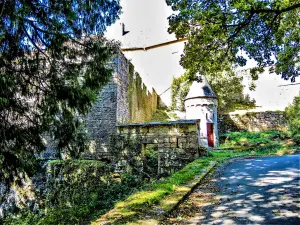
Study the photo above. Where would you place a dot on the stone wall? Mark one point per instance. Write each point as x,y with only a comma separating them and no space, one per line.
102,119
177,142
253,121
125,99
139,100
58,185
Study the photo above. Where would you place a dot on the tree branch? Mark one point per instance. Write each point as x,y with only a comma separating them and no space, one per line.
292,7
241,26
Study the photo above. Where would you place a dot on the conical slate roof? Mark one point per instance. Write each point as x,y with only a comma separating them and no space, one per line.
200,90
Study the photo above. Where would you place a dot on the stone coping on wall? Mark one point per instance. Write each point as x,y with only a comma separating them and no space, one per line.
253,121
256,111
159,123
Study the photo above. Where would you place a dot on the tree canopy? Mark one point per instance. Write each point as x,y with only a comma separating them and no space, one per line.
223,34
228,88
53,61
293,118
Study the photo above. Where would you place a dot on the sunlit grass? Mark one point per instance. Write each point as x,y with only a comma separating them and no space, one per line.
164,194
253,139
142,201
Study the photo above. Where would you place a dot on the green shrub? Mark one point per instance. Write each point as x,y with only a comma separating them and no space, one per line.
293,118
160,116
78,191
25,218
151,160
252,139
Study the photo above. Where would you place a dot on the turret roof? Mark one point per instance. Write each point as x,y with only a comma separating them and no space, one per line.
200,90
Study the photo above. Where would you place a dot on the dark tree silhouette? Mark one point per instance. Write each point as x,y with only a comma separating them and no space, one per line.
53,61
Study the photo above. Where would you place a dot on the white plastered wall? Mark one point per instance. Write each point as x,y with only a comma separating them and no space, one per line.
204,109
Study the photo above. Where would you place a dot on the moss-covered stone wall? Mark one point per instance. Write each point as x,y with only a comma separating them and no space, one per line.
64,192
174,144
140,101
253,121
125,99
76,182
58,184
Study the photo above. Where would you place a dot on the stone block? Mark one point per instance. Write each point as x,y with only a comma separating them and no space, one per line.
125,130
174,131
173,139
192,145
166,140
150,139
144,130
182,139
133,131
193,139
164,130
152,130
173,145
160,140
167,145
192,128
182,145
161,145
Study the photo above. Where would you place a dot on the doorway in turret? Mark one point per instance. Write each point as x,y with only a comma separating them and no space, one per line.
210,134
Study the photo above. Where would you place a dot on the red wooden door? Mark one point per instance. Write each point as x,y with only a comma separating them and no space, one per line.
210,134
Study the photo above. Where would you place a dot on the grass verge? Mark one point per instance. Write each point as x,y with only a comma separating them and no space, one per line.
150,205
141,205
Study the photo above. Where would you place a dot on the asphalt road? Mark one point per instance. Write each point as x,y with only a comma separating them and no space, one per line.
262,190
259,191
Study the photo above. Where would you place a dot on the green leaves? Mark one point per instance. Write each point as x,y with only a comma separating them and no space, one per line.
219,31
52,65
227,86
293,118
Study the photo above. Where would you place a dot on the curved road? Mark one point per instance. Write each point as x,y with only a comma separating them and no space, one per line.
262,190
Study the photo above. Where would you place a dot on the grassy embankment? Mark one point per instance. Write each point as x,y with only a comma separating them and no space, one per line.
150,205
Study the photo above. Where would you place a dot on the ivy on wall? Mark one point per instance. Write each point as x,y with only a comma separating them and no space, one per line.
293,118
180,88
131,88
160,115
142,104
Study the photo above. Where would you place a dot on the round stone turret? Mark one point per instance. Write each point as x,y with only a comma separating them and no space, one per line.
201,103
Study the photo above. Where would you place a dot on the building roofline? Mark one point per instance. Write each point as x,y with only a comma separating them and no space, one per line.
159,123
201,97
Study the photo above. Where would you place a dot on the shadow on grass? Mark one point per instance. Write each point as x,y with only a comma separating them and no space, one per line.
141,208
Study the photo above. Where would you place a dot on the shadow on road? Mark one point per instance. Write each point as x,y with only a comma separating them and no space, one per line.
251,191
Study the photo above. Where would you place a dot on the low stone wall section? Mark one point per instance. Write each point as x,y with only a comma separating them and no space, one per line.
253,121
177,142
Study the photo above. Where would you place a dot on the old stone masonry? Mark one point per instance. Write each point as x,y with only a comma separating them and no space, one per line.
123,113
122,133
125,101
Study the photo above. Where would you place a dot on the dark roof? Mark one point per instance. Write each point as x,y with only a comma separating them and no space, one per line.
200,90
160,123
